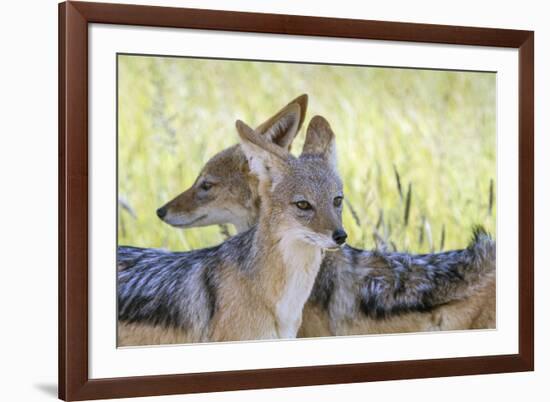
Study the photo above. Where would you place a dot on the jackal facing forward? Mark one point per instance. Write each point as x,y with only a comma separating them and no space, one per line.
254,285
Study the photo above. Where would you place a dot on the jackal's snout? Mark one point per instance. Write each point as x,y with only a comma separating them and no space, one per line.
339,236
161,212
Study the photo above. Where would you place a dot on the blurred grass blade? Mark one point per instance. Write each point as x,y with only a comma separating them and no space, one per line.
353,213
398,181
421,231
380,220
429,235
408,204
125,205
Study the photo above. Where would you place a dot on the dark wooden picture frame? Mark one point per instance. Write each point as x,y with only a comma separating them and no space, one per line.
74,381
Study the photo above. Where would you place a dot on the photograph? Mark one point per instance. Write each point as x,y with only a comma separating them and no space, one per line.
267,200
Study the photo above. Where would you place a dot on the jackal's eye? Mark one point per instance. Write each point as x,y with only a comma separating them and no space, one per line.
304,205
338,201
206,185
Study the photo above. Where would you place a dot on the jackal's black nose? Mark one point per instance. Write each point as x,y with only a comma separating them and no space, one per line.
161,212
339,236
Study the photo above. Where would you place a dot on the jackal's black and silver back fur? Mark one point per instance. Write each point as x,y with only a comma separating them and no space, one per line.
179,288
175,289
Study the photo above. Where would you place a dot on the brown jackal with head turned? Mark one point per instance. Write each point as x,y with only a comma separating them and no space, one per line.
255,284
356,291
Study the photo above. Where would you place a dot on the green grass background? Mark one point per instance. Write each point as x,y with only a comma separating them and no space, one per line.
436,129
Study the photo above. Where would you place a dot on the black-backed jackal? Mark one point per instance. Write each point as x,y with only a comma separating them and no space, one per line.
255,284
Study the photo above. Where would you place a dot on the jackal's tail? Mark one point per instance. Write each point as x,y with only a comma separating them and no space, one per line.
402,282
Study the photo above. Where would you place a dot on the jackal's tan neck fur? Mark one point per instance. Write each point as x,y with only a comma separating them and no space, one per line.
290,267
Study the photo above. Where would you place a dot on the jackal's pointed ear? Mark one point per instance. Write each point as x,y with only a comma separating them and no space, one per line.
266,160
320,140
282,128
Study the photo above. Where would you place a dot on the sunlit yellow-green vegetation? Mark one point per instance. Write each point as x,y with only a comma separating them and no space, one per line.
434,132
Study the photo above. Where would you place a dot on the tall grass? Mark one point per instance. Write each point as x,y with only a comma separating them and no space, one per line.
416,148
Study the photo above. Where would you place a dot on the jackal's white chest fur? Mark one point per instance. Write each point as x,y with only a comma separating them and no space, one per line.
301,263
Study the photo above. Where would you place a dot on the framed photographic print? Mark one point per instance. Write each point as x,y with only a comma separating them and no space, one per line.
259,200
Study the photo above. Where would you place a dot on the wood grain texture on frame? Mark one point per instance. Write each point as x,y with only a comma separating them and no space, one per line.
74,382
